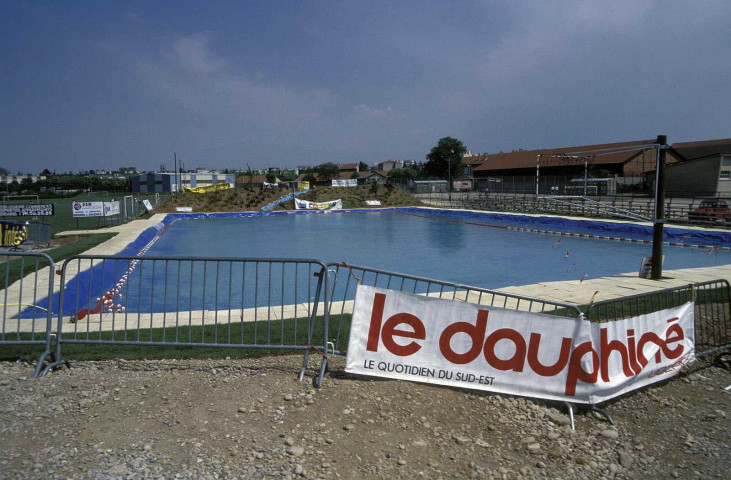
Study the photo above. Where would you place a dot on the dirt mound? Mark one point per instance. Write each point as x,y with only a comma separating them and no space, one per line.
231,200
388,195
252,199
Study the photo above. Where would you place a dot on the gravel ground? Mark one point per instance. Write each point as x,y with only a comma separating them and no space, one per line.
252,419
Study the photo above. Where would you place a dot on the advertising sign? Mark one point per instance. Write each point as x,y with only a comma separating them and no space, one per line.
307,205
208,188
26,210
303,186
345,183
12,234
111,208
87,209
94,209
418,338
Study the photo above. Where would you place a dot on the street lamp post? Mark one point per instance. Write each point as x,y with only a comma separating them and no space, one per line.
449,174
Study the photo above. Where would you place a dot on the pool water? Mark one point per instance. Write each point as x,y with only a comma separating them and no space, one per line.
432,246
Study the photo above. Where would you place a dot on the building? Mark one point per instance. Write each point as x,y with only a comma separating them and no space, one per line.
389,165
254,180
373,177
699,169
346,170
19,178
170,182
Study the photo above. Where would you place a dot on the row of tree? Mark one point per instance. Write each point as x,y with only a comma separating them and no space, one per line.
54,183
444,161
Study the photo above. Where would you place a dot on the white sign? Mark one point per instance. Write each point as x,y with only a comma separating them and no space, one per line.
184,209
26,209
111,208
418,338
373,203
307,205
87,209
94,209
147,205
345,183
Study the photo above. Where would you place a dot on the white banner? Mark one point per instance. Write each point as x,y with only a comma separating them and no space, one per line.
412,337
94,209
345,183
26,210
111,208
87,209
307,205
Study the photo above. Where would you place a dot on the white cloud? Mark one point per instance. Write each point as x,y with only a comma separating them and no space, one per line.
193,54
367,112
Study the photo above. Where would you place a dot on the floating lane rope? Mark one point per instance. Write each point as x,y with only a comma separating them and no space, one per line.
711,248
105,303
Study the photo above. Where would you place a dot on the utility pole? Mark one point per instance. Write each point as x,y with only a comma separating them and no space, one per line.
657,228
175,174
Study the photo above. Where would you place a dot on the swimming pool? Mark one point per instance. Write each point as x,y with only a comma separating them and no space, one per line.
466,248
483,250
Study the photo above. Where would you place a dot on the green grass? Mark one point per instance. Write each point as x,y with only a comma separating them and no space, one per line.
16,269
280,333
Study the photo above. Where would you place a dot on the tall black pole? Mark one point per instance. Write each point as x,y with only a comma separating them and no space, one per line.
175,171
657,229
449,169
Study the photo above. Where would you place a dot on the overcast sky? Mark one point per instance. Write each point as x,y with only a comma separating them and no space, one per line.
102,84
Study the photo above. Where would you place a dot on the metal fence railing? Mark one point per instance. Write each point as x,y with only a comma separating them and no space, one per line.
272,304
25,280
712,311
39,235
345,279
677,209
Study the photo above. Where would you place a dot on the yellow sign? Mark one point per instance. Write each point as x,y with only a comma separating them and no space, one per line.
208,188
13,234
303,186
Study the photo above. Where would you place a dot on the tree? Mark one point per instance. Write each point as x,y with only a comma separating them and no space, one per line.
271,178
363,167
445,159
27,184
327,171
402,175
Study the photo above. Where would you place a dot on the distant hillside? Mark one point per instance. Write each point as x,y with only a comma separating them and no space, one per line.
252,199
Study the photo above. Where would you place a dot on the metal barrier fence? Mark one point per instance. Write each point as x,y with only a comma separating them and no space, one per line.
680,210
192,301
39,235
712,311
25,280
347,278
274,304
